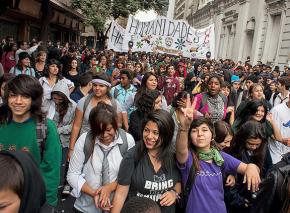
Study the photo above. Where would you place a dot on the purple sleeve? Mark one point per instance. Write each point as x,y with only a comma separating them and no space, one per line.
185,168
231,164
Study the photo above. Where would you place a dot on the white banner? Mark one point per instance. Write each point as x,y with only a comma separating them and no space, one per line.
116,37
175,37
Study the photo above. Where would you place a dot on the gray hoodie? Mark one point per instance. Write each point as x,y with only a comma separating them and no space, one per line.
65,126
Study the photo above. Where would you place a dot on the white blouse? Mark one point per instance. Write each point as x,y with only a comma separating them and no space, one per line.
91,172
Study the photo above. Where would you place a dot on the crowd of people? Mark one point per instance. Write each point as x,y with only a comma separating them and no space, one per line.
191,135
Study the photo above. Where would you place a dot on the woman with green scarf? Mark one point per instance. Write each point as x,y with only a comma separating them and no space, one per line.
198,158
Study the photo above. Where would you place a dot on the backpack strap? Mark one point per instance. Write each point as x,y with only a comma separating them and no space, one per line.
224,98
203,100
116,92
87,101
189,183
124,146
41,134
88,146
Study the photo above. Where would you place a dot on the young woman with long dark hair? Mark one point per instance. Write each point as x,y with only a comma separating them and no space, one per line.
149,82
258,111
195,152
150,100
91,188
51,76
249,146
149,170
73,73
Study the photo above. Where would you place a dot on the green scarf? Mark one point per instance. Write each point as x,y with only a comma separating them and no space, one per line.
213,154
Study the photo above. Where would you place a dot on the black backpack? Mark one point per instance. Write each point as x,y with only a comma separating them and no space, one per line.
41,135
274,193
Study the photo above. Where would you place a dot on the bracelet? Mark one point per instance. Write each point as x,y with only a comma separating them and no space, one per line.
71,149
176,194
182,129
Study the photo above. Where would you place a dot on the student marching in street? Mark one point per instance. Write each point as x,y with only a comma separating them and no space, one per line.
61,109
149,101
84,88
249,146
101,93
212,104
21,114
22,188
95,162
202,161
40,63
169,84
150,168
122,92
23,66
51,76
149,82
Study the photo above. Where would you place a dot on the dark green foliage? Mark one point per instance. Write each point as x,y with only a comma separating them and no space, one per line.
98,11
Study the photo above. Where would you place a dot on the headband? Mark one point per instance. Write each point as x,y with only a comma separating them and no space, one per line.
100,81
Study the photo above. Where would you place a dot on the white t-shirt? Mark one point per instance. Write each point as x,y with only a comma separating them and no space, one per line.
281,116
278,100
47,88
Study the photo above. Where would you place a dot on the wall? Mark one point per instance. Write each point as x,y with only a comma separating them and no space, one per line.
256,28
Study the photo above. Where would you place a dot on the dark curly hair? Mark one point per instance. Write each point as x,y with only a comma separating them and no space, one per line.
46,69
249,111
250,130
140,205
146,102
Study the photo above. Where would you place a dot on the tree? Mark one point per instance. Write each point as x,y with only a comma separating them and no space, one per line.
98,11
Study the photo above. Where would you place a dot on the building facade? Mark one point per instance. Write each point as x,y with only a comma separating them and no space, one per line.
171,7
180,9
22,20
256,28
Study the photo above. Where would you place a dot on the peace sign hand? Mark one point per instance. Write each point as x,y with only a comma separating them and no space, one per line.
187,113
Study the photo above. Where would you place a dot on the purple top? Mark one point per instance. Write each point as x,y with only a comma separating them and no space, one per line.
207,193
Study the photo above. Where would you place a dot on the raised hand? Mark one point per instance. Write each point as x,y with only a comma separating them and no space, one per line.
269,117
187,113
